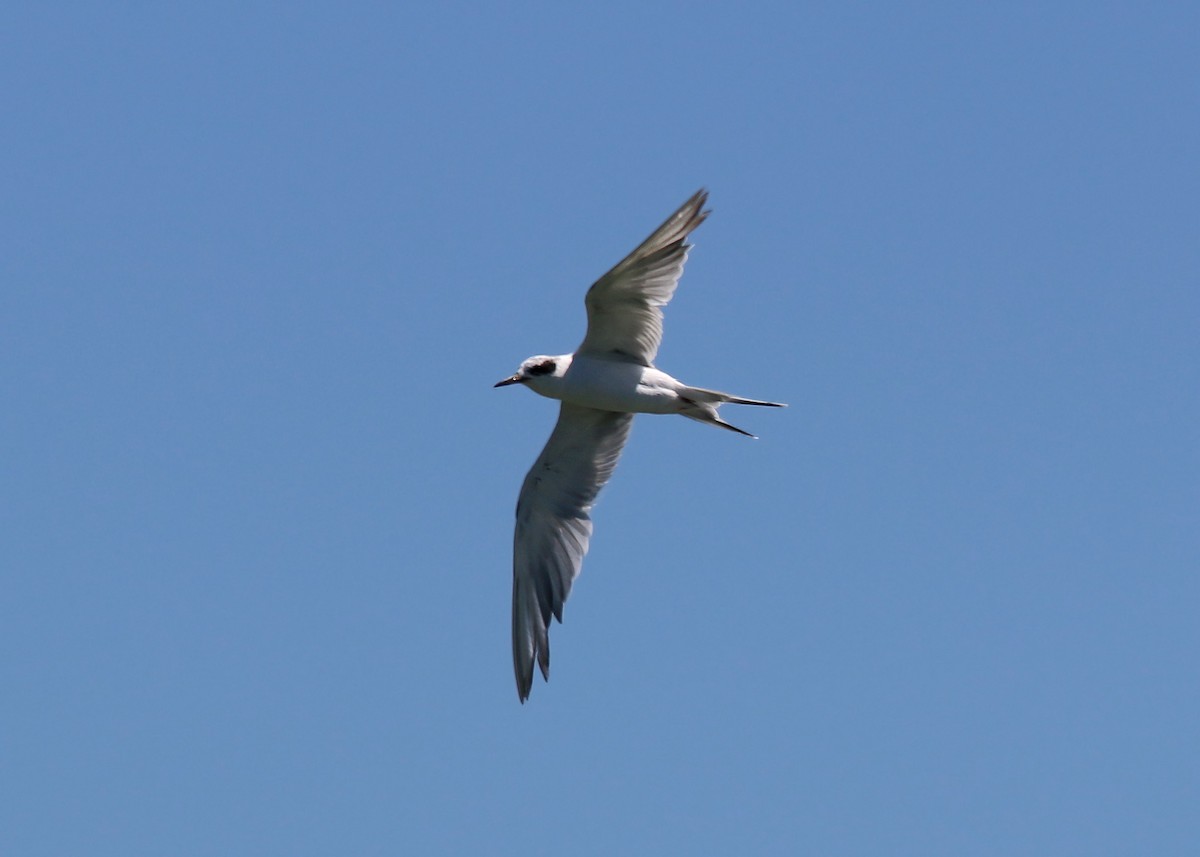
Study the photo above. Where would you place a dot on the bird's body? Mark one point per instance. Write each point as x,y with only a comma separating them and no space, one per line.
610,377
610,385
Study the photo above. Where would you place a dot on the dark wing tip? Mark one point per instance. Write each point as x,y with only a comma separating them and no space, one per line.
525,676
696,212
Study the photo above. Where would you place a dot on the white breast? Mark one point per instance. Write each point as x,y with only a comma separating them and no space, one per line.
616,386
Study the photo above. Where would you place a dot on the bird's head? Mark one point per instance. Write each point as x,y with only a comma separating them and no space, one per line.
535,368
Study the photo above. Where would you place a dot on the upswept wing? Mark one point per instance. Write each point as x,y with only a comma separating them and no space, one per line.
624,307
554,526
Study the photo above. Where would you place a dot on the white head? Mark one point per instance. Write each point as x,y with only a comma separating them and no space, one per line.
541,373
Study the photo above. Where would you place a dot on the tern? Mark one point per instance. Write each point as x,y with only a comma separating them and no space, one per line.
609,378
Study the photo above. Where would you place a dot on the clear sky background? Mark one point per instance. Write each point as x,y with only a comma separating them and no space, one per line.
262,264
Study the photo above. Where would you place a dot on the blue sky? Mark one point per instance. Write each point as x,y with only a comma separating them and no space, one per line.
263,262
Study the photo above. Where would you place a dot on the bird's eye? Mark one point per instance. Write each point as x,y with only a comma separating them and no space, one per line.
543,368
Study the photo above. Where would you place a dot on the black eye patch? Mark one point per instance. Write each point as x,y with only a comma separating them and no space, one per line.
543,368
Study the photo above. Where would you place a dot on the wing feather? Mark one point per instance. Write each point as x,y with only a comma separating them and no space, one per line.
554,526
624,306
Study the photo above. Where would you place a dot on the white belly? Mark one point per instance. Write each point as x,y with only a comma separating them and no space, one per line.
623,387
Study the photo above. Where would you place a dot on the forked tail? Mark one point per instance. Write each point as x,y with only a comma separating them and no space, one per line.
701,405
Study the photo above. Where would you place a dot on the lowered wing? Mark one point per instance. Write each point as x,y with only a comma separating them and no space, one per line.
554,526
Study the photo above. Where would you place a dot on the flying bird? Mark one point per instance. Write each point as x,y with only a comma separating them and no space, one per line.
609,378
